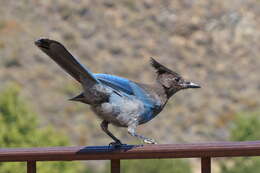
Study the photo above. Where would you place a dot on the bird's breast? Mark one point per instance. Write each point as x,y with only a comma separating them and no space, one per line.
120,110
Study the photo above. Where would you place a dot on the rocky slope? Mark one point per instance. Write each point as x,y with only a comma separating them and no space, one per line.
214,43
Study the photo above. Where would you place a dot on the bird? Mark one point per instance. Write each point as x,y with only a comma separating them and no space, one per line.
116,100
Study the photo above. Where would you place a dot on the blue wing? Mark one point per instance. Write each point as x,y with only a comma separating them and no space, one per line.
127,86
131,88
115,82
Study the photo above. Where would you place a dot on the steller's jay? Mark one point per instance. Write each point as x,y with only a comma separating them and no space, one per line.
116,100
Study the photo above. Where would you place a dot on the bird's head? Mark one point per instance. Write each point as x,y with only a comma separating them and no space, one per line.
170,80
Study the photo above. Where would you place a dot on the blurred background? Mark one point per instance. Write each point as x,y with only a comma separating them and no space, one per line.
213,43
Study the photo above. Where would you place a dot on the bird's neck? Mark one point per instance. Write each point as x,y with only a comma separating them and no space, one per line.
161,92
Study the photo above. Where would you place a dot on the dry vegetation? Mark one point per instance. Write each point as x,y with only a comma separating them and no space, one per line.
212,42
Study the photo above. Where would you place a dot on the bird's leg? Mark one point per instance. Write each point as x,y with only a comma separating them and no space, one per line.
104,127
131,131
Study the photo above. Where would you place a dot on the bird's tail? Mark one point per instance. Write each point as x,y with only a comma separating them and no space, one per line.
63,58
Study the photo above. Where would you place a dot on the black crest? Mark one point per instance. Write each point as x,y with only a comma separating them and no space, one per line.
160,69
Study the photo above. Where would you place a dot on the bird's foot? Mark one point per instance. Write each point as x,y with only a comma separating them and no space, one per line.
116,144
149,141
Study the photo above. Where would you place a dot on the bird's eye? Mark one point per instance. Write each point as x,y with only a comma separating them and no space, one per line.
177,79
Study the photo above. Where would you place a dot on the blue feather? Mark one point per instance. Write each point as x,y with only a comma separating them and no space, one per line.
115,82
131,88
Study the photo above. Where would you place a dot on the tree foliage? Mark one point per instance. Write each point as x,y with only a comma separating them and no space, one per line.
156,166
19,127
246,128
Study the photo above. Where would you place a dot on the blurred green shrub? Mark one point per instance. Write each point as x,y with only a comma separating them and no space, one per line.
19,128
246,128
156,166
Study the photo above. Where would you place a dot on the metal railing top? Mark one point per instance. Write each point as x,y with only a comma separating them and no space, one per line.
200,150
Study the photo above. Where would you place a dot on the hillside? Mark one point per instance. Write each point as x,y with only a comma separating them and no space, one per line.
213,43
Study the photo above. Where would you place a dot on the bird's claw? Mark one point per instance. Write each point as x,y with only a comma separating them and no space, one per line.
149,141
116,144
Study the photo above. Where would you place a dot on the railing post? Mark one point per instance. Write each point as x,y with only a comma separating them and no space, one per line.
115,166
31,167
205,165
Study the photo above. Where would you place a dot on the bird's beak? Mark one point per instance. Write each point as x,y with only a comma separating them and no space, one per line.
191,85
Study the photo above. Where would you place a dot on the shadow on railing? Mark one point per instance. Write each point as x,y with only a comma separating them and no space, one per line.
205,151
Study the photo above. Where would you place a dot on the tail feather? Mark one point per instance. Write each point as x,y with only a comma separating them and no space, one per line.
64,59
